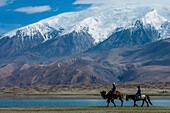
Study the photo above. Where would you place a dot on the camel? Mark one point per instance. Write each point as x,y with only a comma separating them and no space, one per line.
110,96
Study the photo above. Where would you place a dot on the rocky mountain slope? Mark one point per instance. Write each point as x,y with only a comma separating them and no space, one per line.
147,63
93,46
154,60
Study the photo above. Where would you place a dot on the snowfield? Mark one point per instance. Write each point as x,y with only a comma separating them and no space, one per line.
99,23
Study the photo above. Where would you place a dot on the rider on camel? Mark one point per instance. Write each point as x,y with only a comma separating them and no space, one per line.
138,93
113,88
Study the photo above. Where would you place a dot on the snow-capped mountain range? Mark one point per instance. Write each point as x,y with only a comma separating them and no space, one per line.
100,24
95,22
51,50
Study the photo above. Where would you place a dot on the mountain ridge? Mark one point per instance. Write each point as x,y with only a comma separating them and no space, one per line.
100,26
88,47
137,64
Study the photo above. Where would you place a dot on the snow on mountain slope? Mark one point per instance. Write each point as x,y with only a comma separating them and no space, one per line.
154,19
97,24
104,23
100,23
59,23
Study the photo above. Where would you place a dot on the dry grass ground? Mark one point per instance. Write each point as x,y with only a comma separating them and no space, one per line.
87,110
155,90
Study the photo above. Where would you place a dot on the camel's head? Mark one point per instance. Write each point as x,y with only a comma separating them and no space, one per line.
103,92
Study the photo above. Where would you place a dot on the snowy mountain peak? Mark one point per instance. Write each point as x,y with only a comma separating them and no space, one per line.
93,26
32,30
55,23
154,19
99,23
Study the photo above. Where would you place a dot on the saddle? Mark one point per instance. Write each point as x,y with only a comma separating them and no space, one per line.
114,93
138,97
141,97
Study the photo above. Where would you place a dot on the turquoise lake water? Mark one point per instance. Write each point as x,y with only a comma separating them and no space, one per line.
71,102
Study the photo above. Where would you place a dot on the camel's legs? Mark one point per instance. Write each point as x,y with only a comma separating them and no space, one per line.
113,102
121,101
108,101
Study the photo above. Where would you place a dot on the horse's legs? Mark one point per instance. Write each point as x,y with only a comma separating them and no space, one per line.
142,103
147,103
149,99
134,103
108,101
113,102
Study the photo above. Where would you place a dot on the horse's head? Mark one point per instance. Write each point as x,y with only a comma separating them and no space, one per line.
127,97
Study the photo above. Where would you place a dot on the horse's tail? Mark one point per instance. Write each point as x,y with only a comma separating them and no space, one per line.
149,99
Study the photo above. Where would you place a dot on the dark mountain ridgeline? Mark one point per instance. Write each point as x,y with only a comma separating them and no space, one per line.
19,43
66,45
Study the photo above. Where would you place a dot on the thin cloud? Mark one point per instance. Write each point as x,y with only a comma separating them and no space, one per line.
5,2
35,9
119,3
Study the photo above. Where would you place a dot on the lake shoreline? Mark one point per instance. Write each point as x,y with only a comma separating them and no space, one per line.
86,91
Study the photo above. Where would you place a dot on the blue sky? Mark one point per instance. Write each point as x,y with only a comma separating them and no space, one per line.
18,13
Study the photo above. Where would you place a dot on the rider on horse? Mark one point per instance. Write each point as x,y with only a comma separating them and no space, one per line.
138,93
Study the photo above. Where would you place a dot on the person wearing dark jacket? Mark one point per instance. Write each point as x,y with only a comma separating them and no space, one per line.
138,93
113,88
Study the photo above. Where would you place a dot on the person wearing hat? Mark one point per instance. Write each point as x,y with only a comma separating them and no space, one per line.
138,93
113,88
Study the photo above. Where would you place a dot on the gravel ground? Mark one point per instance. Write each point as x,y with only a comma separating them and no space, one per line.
152,109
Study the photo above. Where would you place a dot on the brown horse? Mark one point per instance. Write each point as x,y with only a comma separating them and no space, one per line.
110,96
144,98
